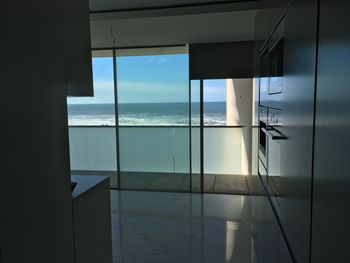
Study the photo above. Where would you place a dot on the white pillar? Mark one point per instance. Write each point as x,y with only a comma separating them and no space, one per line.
232,113
239,112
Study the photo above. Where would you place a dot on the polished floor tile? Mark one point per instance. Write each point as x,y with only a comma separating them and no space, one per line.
180,227
213,183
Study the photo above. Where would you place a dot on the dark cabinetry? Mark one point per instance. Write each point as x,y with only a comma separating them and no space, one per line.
77,47
292,163
297,125
270,246
270,13
331,196
271,57
314,177
35,197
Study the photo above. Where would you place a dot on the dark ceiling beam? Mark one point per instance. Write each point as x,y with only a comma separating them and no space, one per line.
175,10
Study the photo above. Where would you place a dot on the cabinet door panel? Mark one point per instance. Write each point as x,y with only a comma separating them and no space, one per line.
331,214
77,47
297,125
35,194
269,243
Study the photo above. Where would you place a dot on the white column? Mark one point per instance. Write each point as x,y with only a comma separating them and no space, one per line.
239,112
232,113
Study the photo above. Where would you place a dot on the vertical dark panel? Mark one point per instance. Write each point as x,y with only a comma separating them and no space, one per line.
201,135
217,60
77,48
297,122
190,129
331,214
276,9
269,243
116,110
35,195
268,16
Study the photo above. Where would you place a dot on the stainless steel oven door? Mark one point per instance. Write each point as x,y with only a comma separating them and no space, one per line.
263,153
274,171
273,159
262,147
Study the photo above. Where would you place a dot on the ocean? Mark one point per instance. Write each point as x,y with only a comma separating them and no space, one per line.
146,114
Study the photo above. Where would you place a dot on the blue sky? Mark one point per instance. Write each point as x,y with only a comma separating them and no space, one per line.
161,78
143,79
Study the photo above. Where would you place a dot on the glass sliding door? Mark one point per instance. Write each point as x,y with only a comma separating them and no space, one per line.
227,115
153,119
195,135
92,131
165,132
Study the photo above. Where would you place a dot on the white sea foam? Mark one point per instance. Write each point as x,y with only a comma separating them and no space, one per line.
144,115
109,120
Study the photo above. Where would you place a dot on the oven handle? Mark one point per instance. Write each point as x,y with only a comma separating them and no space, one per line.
273,134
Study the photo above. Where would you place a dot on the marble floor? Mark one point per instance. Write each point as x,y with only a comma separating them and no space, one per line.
165,227
213,183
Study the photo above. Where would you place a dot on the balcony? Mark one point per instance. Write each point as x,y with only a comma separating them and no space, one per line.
162,158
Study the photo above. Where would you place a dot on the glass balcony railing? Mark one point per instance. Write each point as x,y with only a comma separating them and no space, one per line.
93,148
151,150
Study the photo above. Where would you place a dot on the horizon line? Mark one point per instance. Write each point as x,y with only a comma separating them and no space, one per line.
106,103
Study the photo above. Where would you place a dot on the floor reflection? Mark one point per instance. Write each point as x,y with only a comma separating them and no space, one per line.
180,227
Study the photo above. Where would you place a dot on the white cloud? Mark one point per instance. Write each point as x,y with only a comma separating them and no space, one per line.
156,60
104,85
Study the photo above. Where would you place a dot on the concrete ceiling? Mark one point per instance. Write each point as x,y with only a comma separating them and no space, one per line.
172,26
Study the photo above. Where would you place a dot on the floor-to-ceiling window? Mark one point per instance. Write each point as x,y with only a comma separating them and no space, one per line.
227,116
153,118
92,131
196,135
149,128
221,139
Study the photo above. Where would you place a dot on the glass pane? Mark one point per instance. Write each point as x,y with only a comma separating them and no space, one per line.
153,111
227,135
195,141
92,139
99,109
214,102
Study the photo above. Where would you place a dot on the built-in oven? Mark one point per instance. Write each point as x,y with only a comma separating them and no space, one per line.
273,178
270,112
271,69
276,67
262,142
263,117
270,158
262,153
